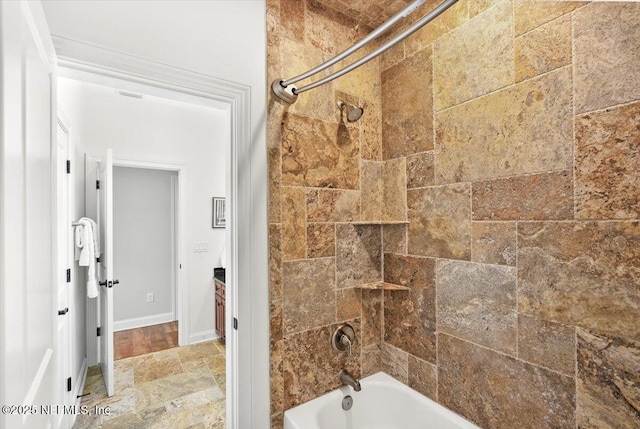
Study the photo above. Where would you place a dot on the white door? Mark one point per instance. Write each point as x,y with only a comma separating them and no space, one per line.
64,350
28,268
105,225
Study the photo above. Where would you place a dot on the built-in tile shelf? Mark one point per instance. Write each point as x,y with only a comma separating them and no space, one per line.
378,222
382,286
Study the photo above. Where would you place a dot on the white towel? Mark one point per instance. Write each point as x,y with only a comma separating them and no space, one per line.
86,240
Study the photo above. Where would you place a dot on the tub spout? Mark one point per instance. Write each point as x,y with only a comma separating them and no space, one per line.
349,380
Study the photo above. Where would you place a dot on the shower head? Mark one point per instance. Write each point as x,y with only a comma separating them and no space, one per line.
353,112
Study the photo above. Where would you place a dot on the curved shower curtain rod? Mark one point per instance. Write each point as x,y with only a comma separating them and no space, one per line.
287,92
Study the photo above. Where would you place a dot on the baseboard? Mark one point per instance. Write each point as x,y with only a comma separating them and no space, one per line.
139,322
200,337
77,391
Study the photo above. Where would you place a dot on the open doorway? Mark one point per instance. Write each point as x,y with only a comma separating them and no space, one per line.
145,213
168,163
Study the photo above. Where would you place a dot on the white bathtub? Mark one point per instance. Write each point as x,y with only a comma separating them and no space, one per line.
383,403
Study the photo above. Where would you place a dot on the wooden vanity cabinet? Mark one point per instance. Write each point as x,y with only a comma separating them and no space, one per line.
220,313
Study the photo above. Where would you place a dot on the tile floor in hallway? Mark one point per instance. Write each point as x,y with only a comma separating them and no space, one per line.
177,388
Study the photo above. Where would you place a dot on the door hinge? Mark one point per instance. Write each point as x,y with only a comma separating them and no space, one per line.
235,323
68,166
98,259
69,384
97,184
68,275
99,331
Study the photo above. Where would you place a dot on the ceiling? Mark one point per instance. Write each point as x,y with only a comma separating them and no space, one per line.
367,12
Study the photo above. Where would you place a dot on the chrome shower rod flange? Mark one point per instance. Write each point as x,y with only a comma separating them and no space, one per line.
286,94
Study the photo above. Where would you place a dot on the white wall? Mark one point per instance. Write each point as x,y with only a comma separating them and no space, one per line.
164,131
143,232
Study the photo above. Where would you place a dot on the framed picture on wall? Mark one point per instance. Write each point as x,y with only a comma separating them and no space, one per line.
219,214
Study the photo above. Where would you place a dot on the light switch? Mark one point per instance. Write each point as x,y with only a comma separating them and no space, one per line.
200,247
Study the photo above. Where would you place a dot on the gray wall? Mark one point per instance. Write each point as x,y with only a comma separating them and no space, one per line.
142,236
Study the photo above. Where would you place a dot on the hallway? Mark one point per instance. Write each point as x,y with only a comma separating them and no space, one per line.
177,388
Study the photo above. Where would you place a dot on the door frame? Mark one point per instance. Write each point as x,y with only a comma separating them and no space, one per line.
180,247
247,235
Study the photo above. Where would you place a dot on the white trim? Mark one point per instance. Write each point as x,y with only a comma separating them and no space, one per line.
81,381
247,277
201,337
140,322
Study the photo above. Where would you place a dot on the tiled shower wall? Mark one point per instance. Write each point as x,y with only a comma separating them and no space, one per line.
508,134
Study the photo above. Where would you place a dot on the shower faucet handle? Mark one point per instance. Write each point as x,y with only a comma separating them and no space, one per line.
343,338
346,341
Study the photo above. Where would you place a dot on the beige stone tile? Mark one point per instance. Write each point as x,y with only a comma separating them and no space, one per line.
410,316
160,366
277,421
298,57
363,82
333,205
581,273
493,243
372,190
407,125
547,343
275,262
395,362
275,180
321,240
165,389
526,128
348,304
276,379
608,164
127,421
474,59
392,57
212,414
275,320
530,14
294,228
546,48
358,255
420,170
292,19
319,154
309,298
371,360
606,60
394,238
372,317
501,392
608,386
423,377
440,221
371,130
198,351
478,6
477,302
311,365
394,179
532,197
447,21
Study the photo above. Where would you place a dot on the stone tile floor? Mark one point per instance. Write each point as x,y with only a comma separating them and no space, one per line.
178,388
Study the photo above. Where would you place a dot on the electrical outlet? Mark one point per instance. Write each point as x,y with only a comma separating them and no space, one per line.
150,297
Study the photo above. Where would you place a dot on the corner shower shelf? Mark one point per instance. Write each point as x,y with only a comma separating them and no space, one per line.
382,286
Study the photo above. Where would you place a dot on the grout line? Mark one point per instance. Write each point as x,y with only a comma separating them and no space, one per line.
511,85
607,108
508,355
